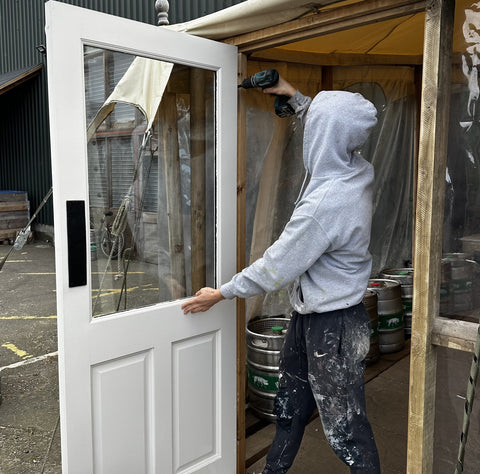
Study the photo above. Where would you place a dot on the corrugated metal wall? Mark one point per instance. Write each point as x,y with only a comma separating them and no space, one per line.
184,10
24,134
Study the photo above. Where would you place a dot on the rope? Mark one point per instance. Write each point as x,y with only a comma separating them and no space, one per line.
472,380
119,225
100,286
135,234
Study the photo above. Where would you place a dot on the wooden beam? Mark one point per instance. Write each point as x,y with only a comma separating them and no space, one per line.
169,142
241,238
428,236
335,59
198,190
454,334
324,22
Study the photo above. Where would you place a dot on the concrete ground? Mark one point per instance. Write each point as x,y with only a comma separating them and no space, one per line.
29,414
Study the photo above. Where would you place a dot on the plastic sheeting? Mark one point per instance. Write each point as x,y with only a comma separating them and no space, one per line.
391,151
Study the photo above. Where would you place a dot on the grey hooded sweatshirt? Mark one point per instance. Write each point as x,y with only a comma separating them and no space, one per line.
323,249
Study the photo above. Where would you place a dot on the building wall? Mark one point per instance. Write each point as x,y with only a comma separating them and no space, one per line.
185,10
24,131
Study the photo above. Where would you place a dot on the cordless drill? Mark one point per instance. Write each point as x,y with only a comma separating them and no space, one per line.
265,79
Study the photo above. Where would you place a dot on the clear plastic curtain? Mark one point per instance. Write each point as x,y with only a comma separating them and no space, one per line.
391,150
462,197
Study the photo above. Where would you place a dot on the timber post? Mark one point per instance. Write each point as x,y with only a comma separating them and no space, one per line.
428,231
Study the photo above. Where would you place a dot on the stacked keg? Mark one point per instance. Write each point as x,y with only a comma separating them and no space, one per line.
391,326
370,301
404,276
265,339
459,270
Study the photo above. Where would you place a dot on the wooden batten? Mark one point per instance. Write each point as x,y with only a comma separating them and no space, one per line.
428,231
241,260
324,22
326,59
454,334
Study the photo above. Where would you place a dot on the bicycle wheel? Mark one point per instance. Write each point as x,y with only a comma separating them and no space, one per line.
111,246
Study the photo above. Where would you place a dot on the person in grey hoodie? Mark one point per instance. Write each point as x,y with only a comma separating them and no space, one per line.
323,255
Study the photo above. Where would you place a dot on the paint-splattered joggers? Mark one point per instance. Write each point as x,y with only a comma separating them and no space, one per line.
322,363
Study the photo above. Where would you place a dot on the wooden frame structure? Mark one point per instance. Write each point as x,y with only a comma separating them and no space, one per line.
429,330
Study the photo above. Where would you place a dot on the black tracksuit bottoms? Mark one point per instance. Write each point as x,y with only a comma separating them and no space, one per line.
322,363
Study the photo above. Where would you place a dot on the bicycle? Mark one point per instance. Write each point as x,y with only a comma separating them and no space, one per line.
111,245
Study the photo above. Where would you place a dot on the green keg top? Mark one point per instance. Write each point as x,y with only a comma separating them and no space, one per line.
277,328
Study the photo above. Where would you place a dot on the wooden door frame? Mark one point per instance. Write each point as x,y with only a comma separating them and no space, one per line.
241,261
428,329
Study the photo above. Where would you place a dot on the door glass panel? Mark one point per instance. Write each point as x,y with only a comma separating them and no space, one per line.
151,188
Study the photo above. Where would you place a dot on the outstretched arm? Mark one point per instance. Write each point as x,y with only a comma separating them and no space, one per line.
204,299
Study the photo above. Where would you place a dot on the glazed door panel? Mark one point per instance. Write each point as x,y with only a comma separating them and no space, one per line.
143,133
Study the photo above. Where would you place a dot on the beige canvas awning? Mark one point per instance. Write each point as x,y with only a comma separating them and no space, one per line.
142,85
360,33
248,16
396,40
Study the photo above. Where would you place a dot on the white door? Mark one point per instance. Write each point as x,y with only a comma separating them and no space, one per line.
142,220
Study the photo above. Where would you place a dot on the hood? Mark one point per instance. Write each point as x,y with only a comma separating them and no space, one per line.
337,123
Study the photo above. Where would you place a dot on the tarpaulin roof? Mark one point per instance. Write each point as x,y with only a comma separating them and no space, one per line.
248,16
398,36
395,36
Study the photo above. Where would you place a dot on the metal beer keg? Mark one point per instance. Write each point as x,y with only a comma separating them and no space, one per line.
391,327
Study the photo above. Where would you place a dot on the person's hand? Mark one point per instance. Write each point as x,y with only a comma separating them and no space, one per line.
282,87
203,301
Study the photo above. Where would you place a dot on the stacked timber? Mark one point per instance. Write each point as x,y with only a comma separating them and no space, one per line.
14,213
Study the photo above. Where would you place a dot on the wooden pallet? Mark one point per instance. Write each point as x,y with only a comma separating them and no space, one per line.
14,214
